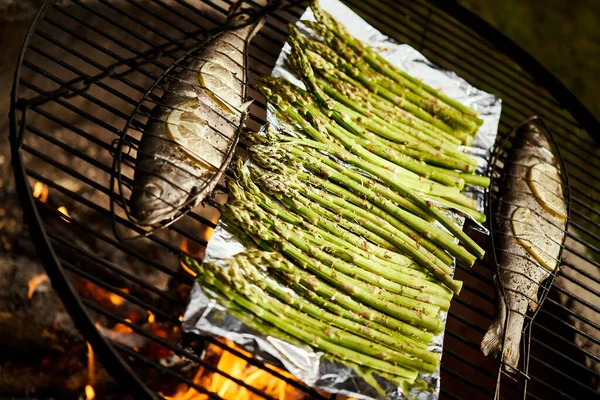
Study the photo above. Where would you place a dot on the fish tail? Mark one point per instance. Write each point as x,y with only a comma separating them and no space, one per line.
493,338
234,9
240,13
514,328
508,341
247,19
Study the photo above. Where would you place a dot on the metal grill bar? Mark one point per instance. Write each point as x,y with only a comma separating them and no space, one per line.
175,349
492,62
102,211
122,63
156,366
89,256
532,104
542,76
439,36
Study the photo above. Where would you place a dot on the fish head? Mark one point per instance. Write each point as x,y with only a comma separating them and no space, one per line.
156,199
538,143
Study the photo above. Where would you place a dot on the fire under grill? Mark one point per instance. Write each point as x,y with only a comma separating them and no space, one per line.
88,66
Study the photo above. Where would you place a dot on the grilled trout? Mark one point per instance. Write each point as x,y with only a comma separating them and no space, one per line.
530,230
188,139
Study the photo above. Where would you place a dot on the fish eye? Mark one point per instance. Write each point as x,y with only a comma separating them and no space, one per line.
153,190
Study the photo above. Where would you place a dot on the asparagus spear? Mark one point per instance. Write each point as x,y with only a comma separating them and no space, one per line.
462,162
315,165
334,334
329,297
426,206
270,330
360,156
348,91
420,255
373,123
380,223
402,266
349,132
299,62
357,275
367,81
302,64
409,286
405,244
310,213
285,241
369,265
210,275
348,252
399,218
251,272
315,224
378,62
476,215
375,79
385,192
370,162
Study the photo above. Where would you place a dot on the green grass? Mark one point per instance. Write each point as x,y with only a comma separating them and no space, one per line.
563,35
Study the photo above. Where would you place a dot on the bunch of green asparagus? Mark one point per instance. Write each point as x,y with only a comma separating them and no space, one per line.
347,209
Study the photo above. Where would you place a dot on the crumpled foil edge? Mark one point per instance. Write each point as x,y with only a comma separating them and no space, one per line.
204,315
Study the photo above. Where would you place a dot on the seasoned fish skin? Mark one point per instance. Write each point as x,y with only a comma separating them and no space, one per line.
520,273
167,174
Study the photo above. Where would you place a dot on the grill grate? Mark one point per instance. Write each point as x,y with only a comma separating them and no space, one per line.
500,164
88,64
163,97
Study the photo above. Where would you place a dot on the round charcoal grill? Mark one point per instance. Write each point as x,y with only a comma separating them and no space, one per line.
87,67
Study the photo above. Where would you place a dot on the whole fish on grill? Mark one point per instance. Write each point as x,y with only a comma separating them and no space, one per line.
187,142
530,230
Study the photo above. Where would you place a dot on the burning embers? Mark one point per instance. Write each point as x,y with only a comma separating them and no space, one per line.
90,393
34,283
185,247
40,191
237,368
196,249
141,330
225,361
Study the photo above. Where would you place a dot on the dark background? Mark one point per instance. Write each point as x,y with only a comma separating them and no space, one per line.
563,34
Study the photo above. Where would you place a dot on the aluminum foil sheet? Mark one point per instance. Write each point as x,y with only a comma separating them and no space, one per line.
205,316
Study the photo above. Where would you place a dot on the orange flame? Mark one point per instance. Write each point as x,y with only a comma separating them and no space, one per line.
151,317
239,369
63,210
115,299
102,296
40,191
90,365
122,328
186,249
206,234
90,393
34,283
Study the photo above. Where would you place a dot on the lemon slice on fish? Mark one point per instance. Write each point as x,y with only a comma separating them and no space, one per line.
544,181
193,134
526,227
221,86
